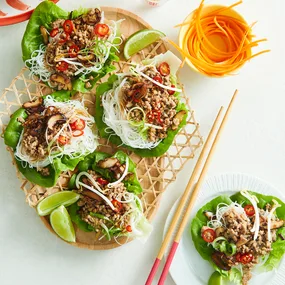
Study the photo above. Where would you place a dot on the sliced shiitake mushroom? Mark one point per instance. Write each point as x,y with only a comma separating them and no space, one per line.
55,119
118,170
137,91
62,79
44,34
92,195
85,57
178,119
51,110
35,106
34,103
93,16
221,260
107,162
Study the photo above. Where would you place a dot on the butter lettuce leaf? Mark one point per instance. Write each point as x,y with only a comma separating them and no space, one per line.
46,13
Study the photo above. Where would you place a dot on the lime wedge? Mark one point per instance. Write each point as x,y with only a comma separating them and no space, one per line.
66,198
140,40
216,279
62,225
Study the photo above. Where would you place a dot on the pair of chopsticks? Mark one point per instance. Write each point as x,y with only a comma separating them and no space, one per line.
192,199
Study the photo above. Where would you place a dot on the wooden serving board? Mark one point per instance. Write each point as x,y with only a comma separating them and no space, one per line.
154,173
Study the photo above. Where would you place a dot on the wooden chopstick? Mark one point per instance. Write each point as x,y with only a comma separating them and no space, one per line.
183,199
194,196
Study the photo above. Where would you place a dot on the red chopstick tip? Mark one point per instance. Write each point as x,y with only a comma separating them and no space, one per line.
152,272
168,263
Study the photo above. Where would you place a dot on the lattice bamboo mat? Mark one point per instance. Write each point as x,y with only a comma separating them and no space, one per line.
155,174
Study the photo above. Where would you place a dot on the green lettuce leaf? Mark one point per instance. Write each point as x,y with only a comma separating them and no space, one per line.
11,138
46,13
113,138
200,220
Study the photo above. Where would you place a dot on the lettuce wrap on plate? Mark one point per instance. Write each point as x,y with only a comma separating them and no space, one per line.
108,204
49,135
241,235
141,109
70,50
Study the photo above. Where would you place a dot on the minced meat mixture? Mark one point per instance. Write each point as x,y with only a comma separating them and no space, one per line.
159,105
93,207
72,39
40,128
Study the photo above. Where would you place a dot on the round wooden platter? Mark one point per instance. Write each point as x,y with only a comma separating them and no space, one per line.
145,167
154,174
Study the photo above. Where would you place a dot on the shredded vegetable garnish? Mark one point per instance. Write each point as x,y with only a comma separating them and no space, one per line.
253,200
107,234
269,218
116,119
77,146
138,70
123,175
83,173
134,122
217,44
98,193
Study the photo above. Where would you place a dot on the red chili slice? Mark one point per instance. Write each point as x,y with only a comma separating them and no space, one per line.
246,258
129,228
171,92
101,30
164,69
249,210
78,124
77,133
64,37
54,32
208,235
63,140
154,115
117,205
102,181
61,66
158,79
68,26
73,50
237,257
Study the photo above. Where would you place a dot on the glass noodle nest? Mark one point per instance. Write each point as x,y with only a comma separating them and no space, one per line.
216,40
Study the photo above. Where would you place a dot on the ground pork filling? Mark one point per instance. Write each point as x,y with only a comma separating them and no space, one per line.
95,211
46,131
158,104
76,44
237,230
39,131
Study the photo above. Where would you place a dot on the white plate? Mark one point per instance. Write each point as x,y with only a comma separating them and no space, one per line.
188,267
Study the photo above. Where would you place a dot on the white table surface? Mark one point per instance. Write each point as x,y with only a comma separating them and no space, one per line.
253,142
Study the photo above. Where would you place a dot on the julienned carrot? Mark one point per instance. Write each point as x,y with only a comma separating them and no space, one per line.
234,33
